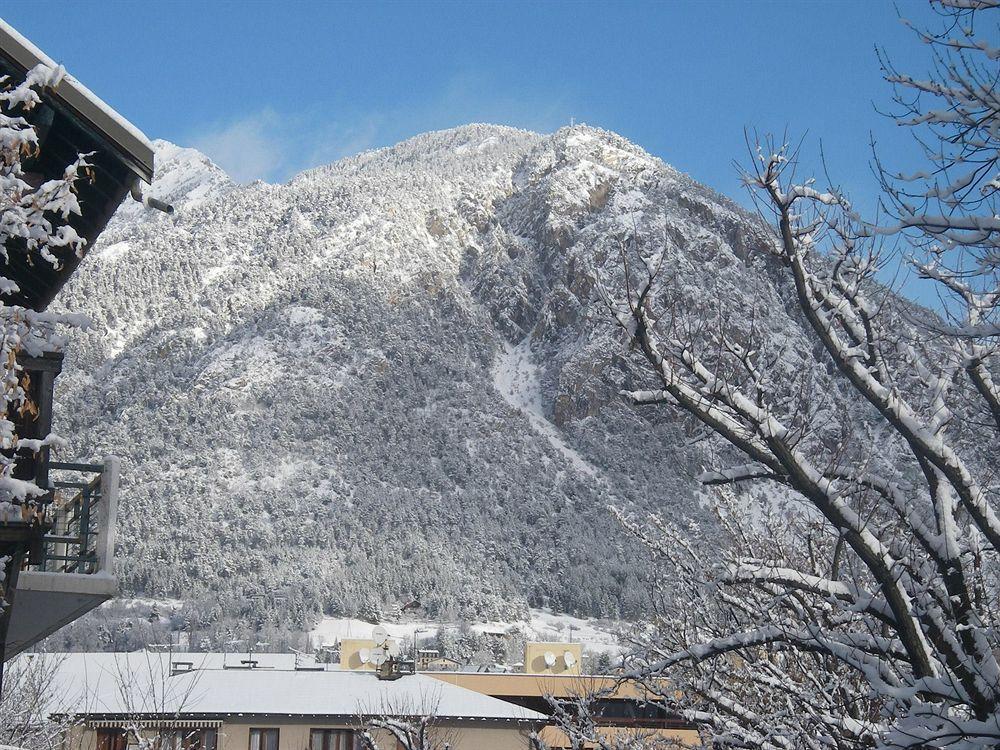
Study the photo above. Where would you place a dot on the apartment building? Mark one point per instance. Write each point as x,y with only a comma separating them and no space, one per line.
239,701
194,701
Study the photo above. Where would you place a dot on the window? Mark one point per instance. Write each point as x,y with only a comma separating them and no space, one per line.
331,739
263,739
188,739
112,739
628,712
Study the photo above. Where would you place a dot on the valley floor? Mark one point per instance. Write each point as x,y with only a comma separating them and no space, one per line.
596,635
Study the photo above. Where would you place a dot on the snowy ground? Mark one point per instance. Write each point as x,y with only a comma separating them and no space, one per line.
516,378
595,635
164,605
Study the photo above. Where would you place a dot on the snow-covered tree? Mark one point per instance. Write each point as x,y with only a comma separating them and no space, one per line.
857,605
403,724
29,687
34,217
404,734
949,210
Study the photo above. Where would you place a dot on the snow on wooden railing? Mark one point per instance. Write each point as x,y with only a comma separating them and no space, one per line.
82,514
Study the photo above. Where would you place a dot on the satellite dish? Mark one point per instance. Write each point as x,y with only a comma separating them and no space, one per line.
569,658
550,659
379,635
365,655
393,648
378,656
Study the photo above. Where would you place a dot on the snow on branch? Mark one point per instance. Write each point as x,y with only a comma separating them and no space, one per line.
864,612
34,220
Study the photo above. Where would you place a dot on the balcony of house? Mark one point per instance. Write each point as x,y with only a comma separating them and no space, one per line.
57,520
68,543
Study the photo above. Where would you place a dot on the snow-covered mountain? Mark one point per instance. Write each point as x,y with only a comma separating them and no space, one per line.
184,178
391,375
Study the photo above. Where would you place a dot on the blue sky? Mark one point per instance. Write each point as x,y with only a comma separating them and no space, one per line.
268,89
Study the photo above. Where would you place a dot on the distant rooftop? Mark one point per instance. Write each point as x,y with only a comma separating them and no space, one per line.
113,684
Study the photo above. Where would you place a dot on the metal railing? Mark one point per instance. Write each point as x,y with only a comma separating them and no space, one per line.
82,515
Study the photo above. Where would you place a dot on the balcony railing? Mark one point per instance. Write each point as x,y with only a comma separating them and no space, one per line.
81,518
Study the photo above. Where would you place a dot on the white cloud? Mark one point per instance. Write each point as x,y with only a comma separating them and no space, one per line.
272,146
247,149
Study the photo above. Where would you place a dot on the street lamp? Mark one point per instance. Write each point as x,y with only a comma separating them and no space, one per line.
415,604
415,631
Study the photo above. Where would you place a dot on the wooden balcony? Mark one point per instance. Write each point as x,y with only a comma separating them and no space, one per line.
65,548
57,550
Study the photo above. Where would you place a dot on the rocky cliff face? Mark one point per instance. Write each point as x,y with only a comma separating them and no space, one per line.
391,375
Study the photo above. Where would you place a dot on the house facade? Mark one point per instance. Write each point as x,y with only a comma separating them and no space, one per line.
59,550
620,710
197,701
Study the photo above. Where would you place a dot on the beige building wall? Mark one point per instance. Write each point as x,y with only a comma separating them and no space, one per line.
238,736
557,740
350,652
534,658
79,738
294,735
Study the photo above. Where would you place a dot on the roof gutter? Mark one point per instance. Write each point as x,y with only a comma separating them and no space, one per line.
215,718
150,202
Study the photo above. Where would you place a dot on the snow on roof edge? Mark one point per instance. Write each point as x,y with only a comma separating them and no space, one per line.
85,94
91,684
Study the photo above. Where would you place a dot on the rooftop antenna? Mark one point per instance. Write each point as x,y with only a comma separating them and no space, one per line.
250,661
385,655
379,653
231,642
254,641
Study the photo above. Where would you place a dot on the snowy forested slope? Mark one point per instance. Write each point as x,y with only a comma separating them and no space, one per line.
391,376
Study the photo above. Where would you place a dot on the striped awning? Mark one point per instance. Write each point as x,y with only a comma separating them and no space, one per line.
154,723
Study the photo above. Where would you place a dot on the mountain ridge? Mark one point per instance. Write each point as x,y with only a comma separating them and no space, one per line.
390,375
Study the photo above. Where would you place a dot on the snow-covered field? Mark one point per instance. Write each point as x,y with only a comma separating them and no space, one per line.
595,635
516,378
164,605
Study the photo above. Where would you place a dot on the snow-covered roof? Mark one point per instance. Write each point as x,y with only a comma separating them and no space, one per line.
135,147
141,683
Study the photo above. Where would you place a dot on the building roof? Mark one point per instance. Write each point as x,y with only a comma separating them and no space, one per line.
134,146
69,121
519,684
141,683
